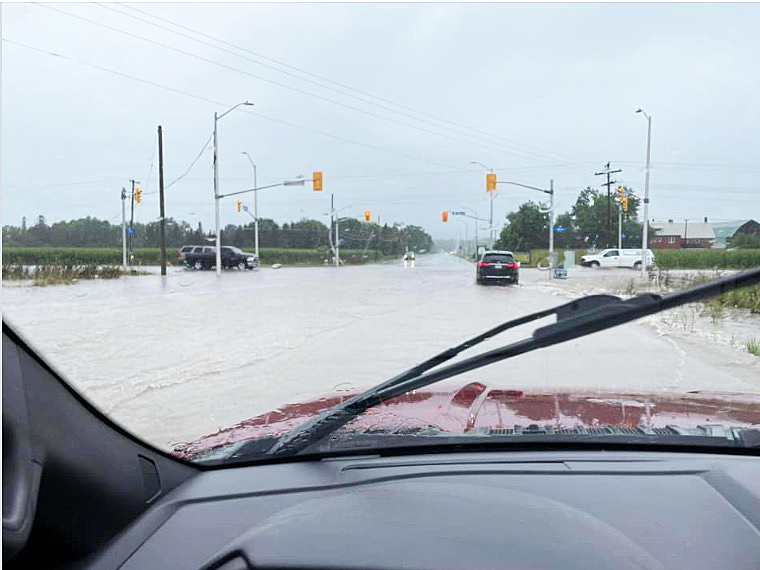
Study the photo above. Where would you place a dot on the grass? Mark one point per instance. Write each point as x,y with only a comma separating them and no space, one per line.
75,256
62,274
744,298
753,346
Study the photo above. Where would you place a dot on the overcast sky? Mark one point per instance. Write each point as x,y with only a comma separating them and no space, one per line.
390,101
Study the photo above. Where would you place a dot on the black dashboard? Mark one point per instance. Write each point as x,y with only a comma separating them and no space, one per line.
526,510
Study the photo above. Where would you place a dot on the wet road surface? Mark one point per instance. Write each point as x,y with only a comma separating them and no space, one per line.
178,358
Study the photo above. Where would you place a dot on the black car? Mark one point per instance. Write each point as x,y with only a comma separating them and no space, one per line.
498,266
204,257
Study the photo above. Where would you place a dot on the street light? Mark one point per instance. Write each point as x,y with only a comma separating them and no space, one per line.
490,223
216,186
255,206
644,236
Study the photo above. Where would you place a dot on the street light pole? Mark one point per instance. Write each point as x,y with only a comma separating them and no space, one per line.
216,187
644,236
490,223
255,207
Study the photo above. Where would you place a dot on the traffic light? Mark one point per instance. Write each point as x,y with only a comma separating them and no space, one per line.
621,193
317,181
445,216
491,182
367,215
624,203
239,205
138,195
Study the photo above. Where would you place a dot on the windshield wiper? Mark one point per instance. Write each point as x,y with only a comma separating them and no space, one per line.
578,318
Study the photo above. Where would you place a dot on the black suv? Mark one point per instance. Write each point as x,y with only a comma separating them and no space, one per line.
498,266
204,257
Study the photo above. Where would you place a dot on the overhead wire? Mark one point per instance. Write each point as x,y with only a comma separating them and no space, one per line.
459,128
189,168
477,142
220,104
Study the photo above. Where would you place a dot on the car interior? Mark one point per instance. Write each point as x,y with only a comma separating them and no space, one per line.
81,492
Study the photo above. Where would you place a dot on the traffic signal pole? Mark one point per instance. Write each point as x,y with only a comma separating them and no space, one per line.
124,229
620,228
132,223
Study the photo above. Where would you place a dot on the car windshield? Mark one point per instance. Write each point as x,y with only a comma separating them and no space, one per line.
221,221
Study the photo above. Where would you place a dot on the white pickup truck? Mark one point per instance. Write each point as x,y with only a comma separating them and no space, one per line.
617,258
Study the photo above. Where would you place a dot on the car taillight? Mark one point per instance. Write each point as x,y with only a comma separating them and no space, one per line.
484,264
514,265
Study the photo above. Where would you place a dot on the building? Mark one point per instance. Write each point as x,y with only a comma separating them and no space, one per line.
681,235
724,231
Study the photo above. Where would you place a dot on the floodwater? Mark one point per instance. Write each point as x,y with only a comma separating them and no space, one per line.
175,358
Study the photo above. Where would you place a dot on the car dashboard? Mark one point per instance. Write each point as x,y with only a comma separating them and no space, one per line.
519,509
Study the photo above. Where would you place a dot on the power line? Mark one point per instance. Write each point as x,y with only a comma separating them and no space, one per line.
261,78
220,104
197,158
459,128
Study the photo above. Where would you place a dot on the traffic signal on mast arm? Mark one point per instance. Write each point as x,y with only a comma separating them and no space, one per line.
367,215
239,205
317,181
445,216
138,195
491,182
624,203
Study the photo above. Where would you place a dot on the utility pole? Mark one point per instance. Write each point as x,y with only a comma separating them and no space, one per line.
162,232
337,241
132,222
216,202
645,228
123,229
607,172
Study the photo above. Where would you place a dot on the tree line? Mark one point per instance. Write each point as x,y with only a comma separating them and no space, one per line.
304,234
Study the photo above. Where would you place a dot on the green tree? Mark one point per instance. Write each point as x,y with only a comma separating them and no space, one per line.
528,228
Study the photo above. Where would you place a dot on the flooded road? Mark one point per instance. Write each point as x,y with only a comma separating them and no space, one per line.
177,358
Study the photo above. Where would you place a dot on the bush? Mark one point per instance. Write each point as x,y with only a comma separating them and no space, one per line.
61,274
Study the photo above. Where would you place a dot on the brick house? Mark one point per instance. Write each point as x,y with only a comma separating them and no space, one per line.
682,235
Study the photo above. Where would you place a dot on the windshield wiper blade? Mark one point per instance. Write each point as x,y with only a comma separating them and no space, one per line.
578,318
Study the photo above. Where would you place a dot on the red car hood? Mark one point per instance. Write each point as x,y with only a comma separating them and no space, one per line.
478,406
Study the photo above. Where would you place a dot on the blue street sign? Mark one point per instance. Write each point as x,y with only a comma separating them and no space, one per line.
131,232
457,213
560,229
245,208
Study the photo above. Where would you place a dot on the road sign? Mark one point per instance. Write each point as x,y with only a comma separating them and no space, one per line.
131,232
245,208
458,213
560,229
